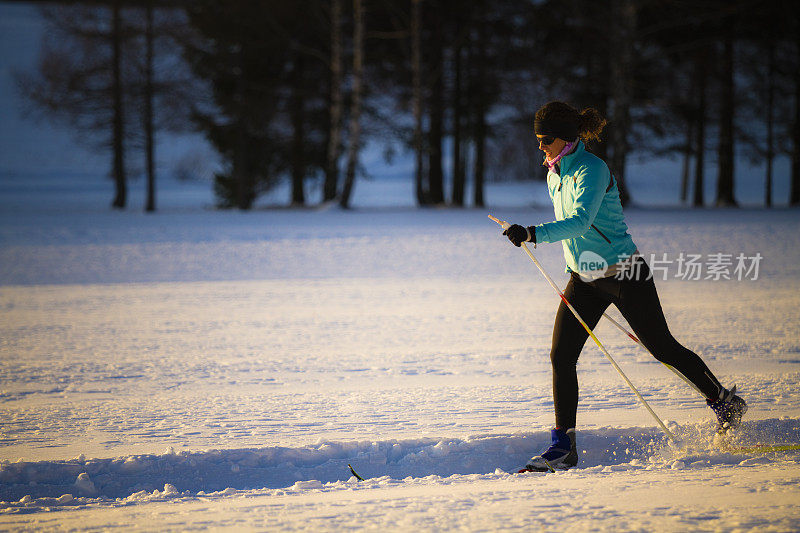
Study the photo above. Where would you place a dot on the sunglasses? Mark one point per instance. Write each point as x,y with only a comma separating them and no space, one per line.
546,140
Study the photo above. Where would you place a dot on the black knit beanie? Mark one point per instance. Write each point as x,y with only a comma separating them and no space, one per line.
563,128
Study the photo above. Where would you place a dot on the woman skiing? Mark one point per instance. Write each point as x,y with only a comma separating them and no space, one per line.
605,268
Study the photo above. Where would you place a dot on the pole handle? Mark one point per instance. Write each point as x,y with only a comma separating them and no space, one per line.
503,223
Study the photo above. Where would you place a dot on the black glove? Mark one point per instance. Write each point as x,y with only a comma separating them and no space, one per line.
518,234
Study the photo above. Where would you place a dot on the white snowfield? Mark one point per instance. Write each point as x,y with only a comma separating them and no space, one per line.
197,369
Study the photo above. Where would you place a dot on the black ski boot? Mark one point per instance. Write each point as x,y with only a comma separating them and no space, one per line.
729,409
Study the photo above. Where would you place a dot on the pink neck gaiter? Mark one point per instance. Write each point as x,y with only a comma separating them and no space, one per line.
551,163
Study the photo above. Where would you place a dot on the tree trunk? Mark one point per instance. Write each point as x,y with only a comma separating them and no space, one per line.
480,158
335,131
298,132
478,85
355,112
770,121
148,111
794,192
623,28
121,193
701,60
725,192
687,159
458,112
691,121
416,67
436,113
240,171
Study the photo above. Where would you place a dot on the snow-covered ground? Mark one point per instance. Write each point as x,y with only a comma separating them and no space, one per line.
197,369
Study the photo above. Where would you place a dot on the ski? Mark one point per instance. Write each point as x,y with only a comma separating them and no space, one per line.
550,469
354,473
526,471
761,448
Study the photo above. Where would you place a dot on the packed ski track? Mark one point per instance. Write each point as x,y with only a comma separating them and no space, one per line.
198,369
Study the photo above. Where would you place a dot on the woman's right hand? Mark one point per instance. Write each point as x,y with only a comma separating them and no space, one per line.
518,234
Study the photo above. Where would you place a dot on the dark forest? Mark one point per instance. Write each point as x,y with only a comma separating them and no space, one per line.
291,91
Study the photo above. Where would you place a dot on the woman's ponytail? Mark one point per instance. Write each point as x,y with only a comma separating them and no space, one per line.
591,124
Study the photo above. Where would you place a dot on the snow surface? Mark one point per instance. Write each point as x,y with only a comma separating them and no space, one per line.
197,369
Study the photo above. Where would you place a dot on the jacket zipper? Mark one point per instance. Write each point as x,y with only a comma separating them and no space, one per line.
601,234
561,197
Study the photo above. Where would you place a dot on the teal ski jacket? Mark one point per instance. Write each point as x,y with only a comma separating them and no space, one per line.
589,219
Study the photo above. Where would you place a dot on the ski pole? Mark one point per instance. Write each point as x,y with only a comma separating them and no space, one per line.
637,341
505,225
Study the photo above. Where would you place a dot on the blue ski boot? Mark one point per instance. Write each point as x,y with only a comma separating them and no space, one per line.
562,453
729,409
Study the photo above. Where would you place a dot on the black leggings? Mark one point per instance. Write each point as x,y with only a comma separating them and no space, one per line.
638,302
